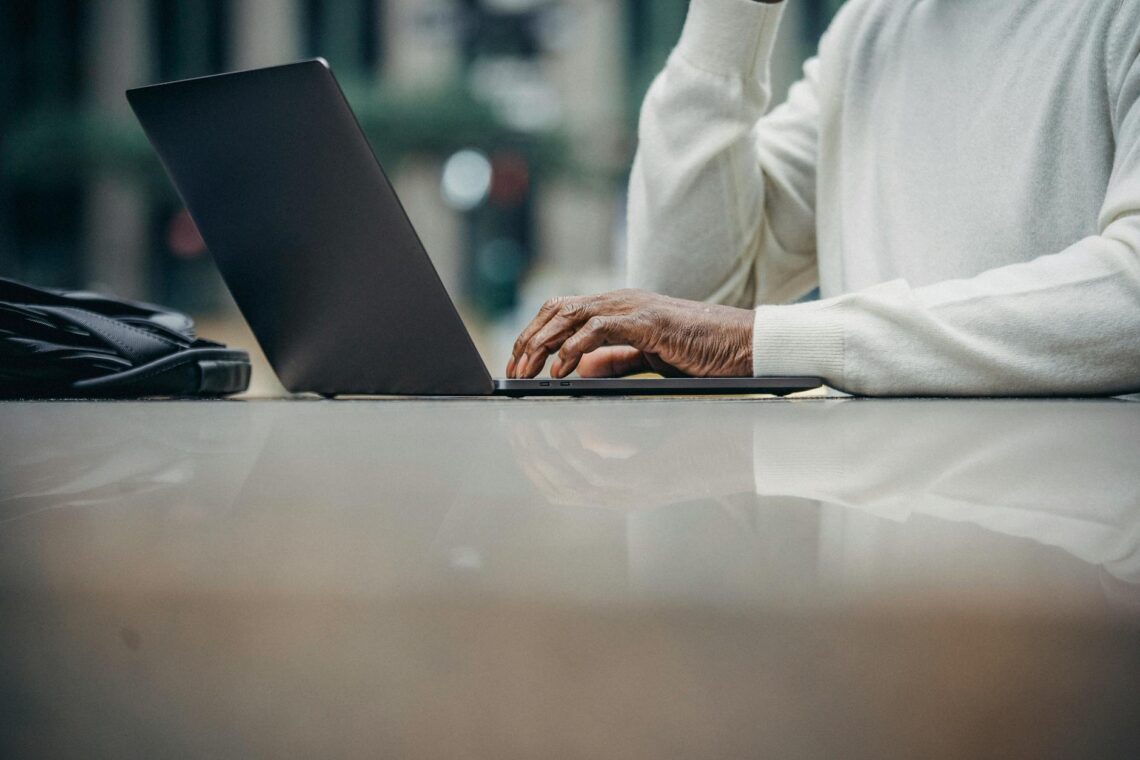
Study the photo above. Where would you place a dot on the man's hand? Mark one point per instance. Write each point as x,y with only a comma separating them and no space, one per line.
656,333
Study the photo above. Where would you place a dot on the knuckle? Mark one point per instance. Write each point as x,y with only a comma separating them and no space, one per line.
552,304
597,324
631,323
571,308
630,328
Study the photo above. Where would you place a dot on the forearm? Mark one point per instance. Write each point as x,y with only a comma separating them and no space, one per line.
697,188
1064,323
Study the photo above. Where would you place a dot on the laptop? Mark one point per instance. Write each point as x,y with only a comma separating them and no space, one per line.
318,252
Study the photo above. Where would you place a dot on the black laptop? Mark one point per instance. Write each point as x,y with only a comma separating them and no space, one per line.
316,248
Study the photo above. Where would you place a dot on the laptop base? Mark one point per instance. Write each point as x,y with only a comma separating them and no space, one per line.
669,386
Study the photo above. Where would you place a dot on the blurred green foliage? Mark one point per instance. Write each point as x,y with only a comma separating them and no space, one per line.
56,146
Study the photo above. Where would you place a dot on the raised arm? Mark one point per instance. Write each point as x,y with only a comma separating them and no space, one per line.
722,201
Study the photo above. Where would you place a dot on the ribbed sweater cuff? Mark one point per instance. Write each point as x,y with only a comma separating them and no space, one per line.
801,339
730,37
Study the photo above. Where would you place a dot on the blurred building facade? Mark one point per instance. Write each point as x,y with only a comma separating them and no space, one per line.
508,127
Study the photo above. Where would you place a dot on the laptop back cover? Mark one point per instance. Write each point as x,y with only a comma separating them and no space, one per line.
309,234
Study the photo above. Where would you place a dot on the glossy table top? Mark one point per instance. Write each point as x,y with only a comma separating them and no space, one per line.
571,578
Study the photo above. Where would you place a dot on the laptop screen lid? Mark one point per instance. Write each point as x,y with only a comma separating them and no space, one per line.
308,233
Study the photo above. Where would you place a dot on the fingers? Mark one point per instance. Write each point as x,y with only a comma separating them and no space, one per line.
537,339
609,361
564,323
557,321
518,351
597,332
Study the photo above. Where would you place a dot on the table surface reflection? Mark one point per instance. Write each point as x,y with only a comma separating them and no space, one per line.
571,578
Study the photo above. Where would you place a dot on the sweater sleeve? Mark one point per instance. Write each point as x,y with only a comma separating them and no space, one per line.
1066,322
722,201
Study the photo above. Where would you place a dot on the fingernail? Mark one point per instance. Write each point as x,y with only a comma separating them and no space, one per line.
511,366
556,368
522,363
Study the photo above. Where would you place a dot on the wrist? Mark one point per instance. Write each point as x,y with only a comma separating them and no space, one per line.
732,38
744,325
747,360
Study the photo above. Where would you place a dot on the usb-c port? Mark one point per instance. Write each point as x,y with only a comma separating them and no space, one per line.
564,384
544,384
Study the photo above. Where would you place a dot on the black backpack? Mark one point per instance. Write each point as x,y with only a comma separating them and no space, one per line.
74,344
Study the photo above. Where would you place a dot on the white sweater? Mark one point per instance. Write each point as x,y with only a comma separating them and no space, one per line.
960,177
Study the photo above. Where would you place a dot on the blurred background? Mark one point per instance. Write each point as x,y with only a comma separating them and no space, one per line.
507,126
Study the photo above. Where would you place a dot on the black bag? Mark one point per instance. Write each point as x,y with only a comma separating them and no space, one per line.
60,344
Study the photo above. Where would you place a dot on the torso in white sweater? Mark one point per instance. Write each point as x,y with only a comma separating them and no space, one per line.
960,177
